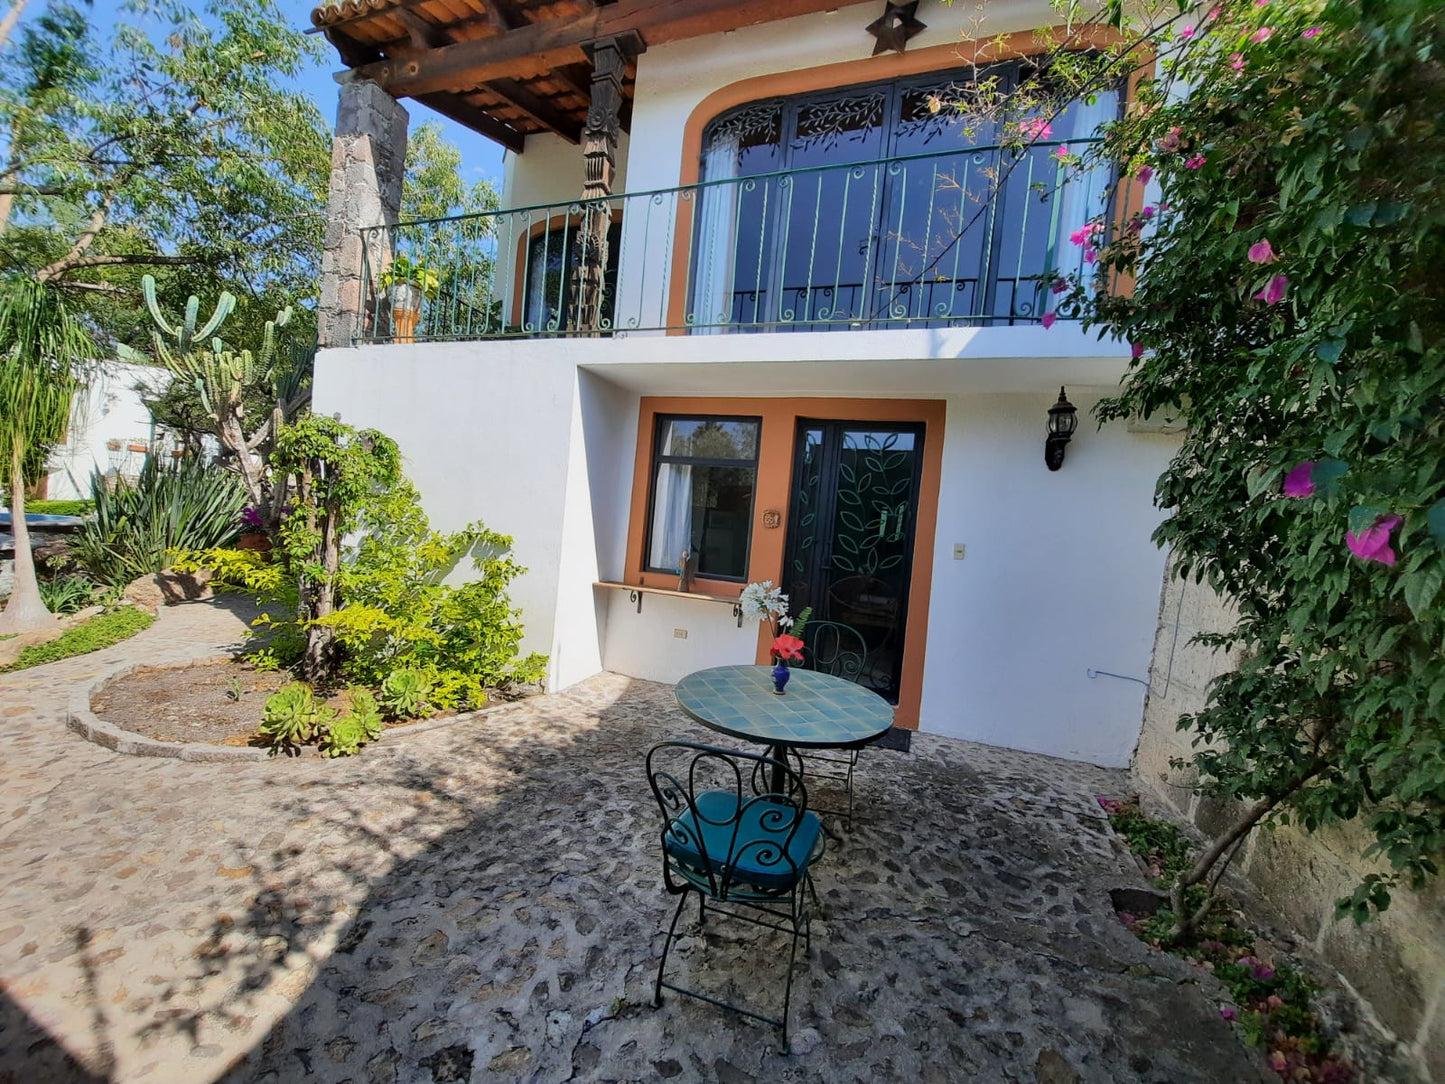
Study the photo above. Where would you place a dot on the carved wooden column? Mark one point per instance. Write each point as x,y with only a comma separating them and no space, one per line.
599,150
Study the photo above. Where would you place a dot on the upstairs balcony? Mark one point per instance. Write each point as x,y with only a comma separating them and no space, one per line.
962,238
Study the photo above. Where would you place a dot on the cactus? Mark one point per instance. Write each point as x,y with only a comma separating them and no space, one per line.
185,333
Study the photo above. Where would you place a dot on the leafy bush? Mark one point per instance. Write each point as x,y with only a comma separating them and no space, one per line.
67,594
292,718
100,631
60,508
405,692
137,525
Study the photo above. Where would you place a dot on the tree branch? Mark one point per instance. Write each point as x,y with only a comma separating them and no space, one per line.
141,258
83,242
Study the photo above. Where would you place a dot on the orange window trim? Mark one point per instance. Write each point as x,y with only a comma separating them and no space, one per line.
773,490
843,74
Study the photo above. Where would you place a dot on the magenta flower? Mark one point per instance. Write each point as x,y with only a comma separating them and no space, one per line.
1048,320
1036,128
1373,543
1187,32
1263,34
1147,213
1136,350
1228,1012
1298,483
1310,34
1261,252
1091,254
1082,235
1195,161
1236,61
1273,294
1061,152
1263,971
1171,141
1058,287
1213,13
1144,174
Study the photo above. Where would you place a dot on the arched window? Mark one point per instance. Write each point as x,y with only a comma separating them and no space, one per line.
884,205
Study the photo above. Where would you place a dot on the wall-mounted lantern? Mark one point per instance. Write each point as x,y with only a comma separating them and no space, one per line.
1063,420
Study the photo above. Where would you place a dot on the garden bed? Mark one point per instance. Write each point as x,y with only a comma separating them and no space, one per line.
216,703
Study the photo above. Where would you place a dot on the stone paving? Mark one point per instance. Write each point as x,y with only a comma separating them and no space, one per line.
483,902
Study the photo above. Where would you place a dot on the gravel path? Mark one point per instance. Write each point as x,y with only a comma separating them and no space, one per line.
484,902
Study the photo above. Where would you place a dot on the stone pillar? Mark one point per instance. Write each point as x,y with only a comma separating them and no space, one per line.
599,151
368,158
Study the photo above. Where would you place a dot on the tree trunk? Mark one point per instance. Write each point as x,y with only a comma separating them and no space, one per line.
26,609
12,17
319,663
233,438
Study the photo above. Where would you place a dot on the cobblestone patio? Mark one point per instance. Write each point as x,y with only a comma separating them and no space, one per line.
484,902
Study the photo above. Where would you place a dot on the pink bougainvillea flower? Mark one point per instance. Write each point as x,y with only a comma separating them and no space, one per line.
1048,320
1261,252
1147,213
1058,287
1082,235
1236,61
1171,141
1373,543
1144,174
1187,32
1228,1012
1091,254
1195,161
1213,13
1273,294
1263,34
1310,34
1036,128
1298,483
1278,1062
1136,350
1061,152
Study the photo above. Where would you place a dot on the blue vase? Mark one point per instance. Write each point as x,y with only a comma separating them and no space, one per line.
781,673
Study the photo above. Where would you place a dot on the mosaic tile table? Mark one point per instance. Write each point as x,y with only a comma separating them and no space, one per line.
818,711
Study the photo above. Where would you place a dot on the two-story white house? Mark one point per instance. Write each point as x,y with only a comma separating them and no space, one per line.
763,294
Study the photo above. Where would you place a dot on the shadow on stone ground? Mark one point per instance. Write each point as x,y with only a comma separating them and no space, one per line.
485,903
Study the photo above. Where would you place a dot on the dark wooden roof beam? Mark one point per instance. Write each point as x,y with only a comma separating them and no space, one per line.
541,111
424,35
469,116
543,46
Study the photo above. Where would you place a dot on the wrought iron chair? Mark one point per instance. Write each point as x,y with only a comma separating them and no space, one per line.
840,650
731,840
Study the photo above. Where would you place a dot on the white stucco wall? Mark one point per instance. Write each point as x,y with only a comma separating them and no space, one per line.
1059,576
110,409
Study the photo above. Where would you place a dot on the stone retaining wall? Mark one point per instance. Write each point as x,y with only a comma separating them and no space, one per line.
1397,962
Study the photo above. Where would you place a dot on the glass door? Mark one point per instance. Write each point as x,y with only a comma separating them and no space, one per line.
849,551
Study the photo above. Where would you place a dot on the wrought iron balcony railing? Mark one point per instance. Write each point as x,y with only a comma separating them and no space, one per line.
964,237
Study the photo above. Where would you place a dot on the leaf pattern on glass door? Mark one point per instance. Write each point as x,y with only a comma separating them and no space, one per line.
872,504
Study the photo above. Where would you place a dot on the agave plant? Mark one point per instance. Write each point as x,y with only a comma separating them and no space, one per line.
189,506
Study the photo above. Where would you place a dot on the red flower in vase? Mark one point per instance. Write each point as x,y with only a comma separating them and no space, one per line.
787,647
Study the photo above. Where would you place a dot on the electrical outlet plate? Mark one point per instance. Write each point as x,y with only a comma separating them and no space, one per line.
958,551
679,634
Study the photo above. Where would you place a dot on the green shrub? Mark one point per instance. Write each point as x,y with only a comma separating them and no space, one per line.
404,693
67,594
137,525
100,631
60,508
292,718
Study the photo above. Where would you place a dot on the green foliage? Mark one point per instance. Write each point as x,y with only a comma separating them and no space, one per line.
60,508
403,271
398,612
270,584
1316,127
1162,846
67,594
173,140
355,728
293,718
100,631
137,526
404,694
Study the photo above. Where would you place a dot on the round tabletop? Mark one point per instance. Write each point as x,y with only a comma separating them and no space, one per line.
817,712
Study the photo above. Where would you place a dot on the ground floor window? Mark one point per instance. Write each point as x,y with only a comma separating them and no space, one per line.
703,479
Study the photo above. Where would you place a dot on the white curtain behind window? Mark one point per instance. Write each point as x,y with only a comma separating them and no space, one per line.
671,509
1086,195
712,294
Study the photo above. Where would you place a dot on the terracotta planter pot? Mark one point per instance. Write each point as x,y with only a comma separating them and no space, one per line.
406,301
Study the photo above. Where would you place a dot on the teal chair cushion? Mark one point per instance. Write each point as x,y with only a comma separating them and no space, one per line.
747,848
